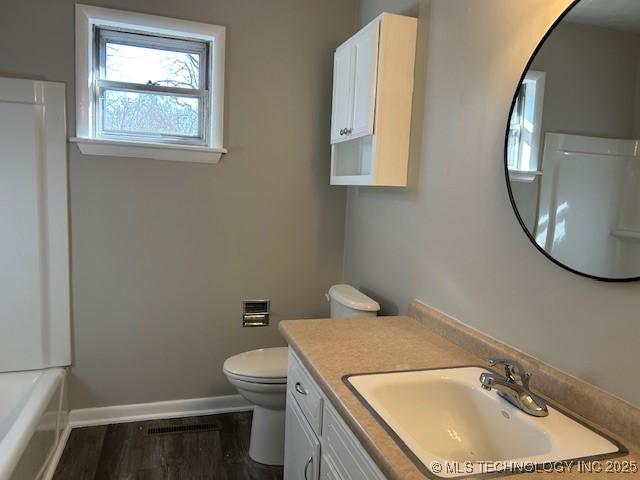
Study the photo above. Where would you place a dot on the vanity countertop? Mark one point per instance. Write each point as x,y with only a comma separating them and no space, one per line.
332,348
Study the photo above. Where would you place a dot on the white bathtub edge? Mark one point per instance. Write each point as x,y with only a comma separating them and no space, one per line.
57,453
22,429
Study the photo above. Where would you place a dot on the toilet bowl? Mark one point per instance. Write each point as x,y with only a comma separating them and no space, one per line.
260,376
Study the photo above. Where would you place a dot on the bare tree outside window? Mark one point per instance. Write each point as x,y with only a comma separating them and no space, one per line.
151,112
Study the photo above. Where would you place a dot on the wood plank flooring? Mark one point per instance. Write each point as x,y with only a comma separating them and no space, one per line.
127,451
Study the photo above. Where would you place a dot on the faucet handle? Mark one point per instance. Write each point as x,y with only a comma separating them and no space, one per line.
514,371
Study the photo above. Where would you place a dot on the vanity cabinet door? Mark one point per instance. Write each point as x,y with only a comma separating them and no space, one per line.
328,470
348,458
341,116
302,448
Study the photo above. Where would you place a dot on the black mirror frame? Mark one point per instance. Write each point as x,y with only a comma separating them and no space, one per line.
506,168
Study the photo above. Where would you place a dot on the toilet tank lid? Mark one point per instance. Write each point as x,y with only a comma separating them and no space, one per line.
353,298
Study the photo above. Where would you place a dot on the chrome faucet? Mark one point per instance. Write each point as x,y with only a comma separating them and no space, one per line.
514,387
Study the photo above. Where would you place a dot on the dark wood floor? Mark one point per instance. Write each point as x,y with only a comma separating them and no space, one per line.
128,451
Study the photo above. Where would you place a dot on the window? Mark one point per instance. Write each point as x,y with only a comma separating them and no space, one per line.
516,126
148,86
525,128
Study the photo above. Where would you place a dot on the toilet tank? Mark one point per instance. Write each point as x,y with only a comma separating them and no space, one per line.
346,301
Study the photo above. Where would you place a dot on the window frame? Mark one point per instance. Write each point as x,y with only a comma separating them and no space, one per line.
90,22
531,101
518,110
103,35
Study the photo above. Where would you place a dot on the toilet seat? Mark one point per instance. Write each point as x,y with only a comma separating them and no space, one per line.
265,365
262,380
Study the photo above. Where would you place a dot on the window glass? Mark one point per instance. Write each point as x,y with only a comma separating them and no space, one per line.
151,66
150,114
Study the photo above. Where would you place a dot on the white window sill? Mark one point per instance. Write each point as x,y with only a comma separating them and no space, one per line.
525,176
156,151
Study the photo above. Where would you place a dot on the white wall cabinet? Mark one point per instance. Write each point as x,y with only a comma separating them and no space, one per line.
354,81
372,94
342,112
318,444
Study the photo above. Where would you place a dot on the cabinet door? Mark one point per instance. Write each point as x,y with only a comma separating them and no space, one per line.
341,117
365,46
348,458
302,449
327,470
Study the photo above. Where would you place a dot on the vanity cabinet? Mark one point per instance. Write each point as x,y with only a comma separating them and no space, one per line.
302,453
372,94
327,470
318,443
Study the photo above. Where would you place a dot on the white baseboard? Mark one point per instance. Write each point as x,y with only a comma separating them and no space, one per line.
86,417
193,407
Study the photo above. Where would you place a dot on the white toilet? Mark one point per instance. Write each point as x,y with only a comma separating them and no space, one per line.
260,376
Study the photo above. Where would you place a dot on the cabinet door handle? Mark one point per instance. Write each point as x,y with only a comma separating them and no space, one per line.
348,131
343,131
299,389
306,467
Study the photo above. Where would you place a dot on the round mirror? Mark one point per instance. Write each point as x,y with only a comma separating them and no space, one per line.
572,147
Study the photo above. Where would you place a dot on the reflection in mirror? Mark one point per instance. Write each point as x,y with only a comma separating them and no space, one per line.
572,147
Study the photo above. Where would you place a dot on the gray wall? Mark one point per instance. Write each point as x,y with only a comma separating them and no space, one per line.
370,9
163,252
451,238
591,80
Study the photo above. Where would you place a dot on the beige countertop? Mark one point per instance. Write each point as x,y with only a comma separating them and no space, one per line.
332,348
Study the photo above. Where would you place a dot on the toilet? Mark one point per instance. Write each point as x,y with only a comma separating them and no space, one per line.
260,376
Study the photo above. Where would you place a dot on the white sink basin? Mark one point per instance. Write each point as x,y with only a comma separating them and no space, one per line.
455,428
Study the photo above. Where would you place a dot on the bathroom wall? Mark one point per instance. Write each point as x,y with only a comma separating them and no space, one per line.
450,238
589,94
163,252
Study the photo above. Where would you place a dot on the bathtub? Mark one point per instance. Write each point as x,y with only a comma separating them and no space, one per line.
30,421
